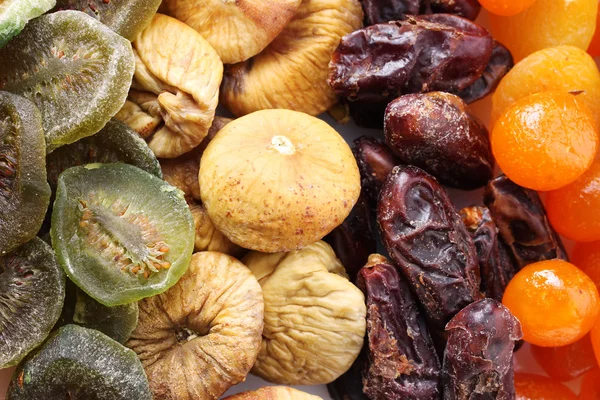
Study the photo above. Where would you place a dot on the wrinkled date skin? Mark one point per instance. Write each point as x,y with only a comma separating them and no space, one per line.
478,361
401,361
495,263
354,240
464,8
427,239
436,131
379,11
375,162
522,222
500,63
438,52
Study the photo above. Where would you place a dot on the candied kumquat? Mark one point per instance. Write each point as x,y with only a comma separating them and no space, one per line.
574,210
594,48
536,387
545,141
590,386
566,363
506,7
556,302
586,256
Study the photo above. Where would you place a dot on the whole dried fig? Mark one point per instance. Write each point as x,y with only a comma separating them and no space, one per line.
273,393
314,316
202,335
292,71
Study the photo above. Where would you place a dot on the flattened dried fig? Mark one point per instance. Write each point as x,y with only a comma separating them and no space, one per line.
180,74
237,30
292,71
273,393
314,317
202,335
208,237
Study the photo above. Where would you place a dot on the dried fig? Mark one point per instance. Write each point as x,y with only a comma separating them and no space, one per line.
202,335
278,180
274,393
292,71
237,30
207,236
179,74
314,317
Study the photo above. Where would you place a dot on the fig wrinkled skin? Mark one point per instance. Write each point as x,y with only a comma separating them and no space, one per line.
478,360
273,393
427,239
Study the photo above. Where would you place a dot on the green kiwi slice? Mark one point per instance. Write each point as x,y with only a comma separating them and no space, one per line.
14,14
75,69
24,191
120,233
126,17
32,291
77,363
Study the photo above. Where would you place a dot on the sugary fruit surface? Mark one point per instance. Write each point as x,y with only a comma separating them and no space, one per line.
14,14
506,7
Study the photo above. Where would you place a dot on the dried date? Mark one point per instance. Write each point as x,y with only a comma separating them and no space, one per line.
522,222
436,131
380,11
478,360
437,52
464,8
427,239
401,361
354,240
375,162
495,263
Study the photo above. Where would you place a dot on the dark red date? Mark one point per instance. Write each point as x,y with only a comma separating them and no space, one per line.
464,8
438,52
495,263
522,222
478,360
401,361
354,240
375,162
379,11
436,131
427,239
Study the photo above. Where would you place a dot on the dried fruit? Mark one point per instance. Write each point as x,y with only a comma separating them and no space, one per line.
590,385
464,8
273,393
33,290
586,257
427,239
495,263
478,360
375,162
556,302
52,63
426,53
202,336
278,180
460,157
126,17
291,72
14,14
237,30
179,84
78,363
378,11
120,233
568,362
522,223
401,359
529,386
24,192
209,238
314,317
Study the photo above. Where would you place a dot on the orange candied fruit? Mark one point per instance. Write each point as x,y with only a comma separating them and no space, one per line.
586,256
536,387
555,301
546,23
545,141
574,210
590,386
566,363
506,7
594,48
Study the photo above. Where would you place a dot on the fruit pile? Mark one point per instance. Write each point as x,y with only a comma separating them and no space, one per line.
175,217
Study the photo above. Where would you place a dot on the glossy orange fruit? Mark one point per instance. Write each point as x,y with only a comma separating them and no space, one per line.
536,387
566,363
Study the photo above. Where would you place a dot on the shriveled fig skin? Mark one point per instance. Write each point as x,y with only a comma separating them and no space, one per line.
274,393
221,302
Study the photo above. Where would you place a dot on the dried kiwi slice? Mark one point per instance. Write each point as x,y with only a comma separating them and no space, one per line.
120,233
32,291
75,69
116,142
14,14
24,192
77,363
126,17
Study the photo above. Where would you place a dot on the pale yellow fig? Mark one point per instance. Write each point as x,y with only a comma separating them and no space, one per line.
292,71
278,180
315,318
237,29
208,237
177,80
137,119
274,393
201,336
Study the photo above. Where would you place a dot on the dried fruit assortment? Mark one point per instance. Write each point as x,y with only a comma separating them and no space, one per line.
151,247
